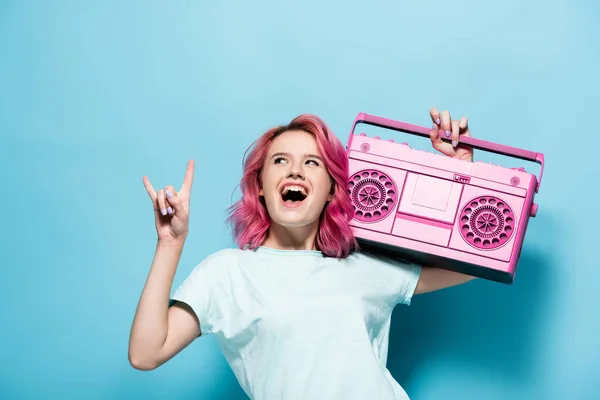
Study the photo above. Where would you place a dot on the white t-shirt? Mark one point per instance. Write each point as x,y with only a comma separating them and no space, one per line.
294,324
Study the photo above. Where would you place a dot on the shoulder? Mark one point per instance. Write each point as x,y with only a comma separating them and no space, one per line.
393,269
215,267
393,276
226,254
224,258
377,260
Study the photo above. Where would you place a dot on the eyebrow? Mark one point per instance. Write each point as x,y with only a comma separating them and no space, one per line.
288,155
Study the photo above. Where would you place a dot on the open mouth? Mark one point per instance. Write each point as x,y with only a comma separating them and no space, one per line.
293,194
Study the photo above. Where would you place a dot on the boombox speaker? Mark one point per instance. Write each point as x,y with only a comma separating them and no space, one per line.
434,210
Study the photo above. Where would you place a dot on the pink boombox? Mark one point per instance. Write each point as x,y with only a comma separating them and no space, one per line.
434,210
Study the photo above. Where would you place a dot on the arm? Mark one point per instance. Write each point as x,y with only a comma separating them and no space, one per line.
432,279
436,278
158,332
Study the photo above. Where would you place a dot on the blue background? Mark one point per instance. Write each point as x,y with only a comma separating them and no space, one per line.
95,95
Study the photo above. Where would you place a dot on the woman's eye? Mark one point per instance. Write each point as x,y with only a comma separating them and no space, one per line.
314,162
278,160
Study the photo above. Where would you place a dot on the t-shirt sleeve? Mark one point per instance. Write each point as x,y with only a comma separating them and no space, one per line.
412,273
205,291
400,276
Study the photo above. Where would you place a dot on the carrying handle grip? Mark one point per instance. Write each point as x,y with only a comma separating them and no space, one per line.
470,141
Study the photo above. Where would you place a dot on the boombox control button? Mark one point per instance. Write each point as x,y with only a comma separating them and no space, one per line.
519,169
363,134
534,208
391,140
376,137
405,144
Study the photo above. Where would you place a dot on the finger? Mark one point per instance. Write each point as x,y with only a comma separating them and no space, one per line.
455,133
149,188
438,143
189,177
161,202
170,194
174,201
435,116
446,123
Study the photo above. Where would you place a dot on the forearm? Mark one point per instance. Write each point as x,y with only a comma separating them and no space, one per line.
436,278
150,324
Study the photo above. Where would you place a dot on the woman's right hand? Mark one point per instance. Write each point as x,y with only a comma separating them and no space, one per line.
172,208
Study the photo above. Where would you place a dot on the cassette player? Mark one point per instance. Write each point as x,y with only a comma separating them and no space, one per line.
431,209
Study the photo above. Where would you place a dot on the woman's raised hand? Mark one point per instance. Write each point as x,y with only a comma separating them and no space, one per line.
172,208
444,125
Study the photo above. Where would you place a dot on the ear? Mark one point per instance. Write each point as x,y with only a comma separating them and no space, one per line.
261,193
331,192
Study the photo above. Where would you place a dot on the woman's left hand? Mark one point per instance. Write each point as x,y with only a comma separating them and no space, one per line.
454,129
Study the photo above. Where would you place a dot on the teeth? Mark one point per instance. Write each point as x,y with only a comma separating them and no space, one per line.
294,188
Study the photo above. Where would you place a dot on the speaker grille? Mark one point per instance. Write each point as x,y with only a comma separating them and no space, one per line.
373,195
487,222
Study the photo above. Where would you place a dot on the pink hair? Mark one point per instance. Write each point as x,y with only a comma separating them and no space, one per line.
249,217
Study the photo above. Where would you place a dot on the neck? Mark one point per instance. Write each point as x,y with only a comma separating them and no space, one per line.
296,238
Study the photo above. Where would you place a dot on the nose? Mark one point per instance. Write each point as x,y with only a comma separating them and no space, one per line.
295,173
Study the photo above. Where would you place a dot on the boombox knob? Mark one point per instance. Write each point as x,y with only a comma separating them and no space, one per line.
391,140
363,134
405,144
534,208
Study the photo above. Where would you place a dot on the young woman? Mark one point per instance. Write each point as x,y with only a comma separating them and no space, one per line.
298,310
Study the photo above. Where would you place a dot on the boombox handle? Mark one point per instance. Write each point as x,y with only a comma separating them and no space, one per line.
475,143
